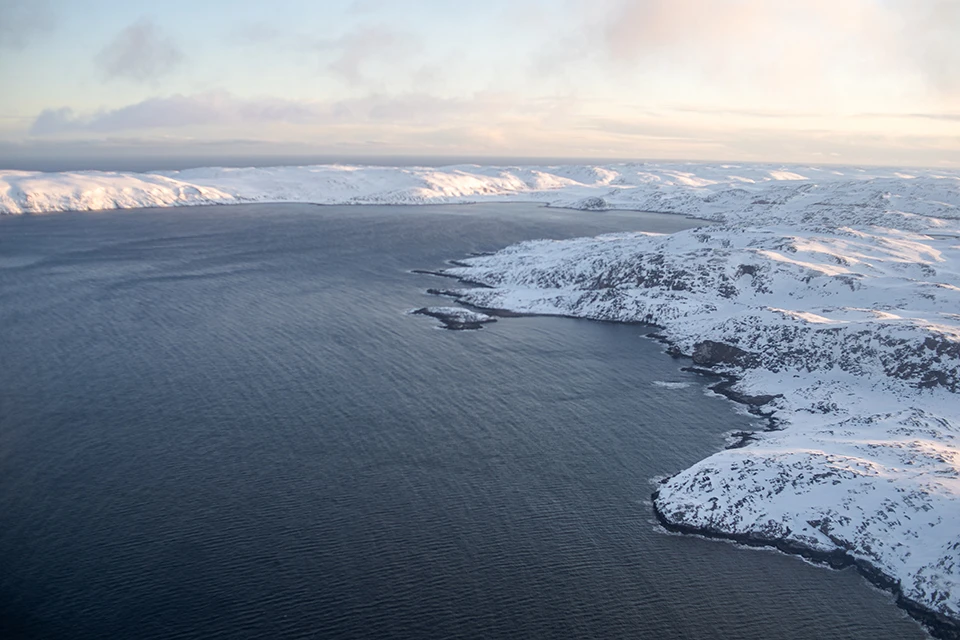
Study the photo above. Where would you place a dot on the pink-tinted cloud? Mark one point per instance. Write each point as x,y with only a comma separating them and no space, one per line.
798,45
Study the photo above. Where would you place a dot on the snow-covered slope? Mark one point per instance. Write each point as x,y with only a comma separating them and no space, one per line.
698,189
833,291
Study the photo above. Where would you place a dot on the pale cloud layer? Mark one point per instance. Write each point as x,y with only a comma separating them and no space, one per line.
223,109
873,80
776,45
503,124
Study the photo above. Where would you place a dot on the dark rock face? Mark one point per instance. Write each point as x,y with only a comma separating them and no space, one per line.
710,354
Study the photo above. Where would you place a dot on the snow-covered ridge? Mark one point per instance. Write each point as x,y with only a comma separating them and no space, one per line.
696,189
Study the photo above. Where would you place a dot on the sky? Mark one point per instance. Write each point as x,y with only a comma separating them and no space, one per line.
807,81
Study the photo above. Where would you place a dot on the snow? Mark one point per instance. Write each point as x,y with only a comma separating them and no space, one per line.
834,291
670,385
713,191
456,317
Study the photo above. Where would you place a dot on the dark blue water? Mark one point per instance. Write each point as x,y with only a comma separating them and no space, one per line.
220,423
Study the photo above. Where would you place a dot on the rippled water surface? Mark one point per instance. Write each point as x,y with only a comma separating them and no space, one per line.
220,423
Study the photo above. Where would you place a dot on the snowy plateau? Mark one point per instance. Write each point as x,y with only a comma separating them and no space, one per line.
830,294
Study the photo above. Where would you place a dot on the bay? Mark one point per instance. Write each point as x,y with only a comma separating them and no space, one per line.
221,422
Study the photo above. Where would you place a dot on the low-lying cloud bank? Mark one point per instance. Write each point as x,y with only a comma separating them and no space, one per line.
221,108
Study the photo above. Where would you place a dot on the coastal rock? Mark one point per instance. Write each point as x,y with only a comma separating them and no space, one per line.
456,318
709,353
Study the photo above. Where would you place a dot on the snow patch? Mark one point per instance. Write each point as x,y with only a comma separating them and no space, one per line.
671,385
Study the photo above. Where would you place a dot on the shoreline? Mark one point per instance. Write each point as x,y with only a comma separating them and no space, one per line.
938,625
505,201
934,623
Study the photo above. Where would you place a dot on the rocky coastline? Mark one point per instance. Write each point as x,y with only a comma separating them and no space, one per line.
938,625
705,357
839,336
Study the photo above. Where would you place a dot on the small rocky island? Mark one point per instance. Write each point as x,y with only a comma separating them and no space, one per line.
456,318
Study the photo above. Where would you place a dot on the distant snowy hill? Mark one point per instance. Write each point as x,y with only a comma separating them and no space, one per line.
695,189
834,292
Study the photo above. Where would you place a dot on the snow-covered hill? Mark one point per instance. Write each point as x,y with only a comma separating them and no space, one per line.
697,189
833,292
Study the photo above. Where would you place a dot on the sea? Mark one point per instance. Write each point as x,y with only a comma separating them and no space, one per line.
223,422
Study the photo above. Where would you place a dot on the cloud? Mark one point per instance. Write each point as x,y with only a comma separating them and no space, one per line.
377,123
788,47
355,52
795,40
221,109
744,113
945,117
141,52
20,20
174,112
504,123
